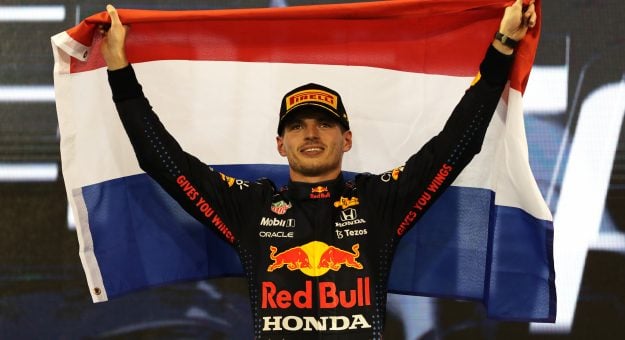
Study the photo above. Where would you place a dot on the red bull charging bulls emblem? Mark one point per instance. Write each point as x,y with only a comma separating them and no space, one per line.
319,192
314,258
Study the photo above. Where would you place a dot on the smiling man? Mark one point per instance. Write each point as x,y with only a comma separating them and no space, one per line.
316,253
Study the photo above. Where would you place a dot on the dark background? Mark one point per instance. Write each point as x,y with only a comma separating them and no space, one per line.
43,292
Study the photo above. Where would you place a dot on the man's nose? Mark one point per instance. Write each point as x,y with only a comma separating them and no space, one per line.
311,131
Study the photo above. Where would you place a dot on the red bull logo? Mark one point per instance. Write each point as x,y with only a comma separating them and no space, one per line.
333,258
294,258
319,192
329,296
314,258
319,189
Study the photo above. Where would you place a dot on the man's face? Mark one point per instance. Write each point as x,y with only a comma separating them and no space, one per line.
314,144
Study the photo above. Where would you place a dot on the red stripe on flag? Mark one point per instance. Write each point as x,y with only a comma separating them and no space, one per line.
427,36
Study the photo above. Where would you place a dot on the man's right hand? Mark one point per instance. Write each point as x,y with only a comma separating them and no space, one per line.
113,46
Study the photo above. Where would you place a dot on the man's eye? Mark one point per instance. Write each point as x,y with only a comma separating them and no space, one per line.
325,124
295,126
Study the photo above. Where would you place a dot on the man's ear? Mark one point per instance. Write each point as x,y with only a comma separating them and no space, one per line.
280,146
347,140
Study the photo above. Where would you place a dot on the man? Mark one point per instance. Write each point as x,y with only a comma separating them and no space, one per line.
316,253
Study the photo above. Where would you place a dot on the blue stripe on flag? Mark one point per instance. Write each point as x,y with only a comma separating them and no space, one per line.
143,238
445,253
458,246
521,279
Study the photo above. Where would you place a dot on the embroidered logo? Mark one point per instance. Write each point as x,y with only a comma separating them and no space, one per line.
234,181
280,207
319,192
345,202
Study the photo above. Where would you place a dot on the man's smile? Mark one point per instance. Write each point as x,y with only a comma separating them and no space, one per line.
312,150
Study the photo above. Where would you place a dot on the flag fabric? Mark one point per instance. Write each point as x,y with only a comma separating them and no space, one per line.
215,78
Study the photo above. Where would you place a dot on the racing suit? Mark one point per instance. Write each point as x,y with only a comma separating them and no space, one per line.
316,255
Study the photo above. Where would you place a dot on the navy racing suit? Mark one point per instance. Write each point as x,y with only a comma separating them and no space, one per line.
316,255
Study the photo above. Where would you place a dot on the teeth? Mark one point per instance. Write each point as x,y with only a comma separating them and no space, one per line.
312,149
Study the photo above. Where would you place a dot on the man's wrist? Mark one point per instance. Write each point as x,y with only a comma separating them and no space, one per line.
504,49
117,62
118,65
506,40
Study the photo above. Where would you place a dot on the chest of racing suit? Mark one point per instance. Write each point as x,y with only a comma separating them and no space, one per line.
316,255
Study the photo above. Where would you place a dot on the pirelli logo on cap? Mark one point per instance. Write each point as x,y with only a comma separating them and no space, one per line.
311,96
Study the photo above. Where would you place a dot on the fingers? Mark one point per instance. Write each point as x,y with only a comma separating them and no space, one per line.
113,14
116,22
531,22
529,16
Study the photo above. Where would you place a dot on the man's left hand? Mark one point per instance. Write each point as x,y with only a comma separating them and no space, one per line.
515,23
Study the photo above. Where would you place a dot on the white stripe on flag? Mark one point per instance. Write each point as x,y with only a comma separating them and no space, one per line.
208,109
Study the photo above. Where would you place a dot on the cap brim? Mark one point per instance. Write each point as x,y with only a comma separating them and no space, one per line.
309,106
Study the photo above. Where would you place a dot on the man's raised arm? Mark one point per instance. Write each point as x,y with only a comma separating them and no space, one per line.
443,158
201,191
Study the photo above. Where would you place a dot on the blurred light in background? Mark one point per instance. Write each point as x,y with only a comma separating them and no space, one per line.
32,13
